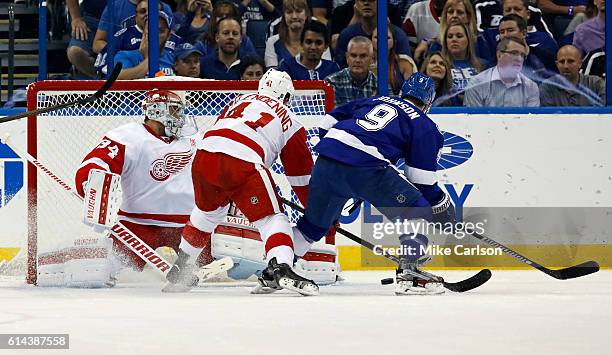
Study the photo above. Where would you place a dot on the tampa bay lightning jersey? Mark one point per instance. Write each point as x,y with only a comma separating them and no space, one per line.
380,130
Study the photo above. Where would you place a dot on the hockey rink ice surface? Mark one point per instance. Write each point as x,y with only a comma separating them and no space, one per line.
516,312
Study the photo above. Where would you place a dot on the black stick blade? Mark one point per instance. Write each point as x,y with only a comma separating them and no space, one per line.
586,268
470,283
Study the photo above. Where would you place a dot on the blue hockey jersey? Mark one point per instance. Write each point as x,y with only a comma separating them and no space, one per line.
380,130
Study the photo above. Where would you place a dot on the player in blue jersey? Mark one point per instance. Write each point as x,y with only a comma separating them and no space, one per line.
365,138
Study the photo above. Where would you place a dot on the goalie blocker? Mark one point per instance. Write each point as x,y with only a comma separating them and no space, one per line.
102,199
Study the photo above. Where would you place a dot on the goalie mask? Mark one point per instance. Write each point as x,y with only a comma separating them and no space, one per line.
167,108
276,84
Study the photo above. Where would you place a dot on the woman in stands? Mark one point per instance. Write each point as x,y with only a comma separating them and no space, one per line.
194,19
458,49
454,11
286,44
395,74
436,67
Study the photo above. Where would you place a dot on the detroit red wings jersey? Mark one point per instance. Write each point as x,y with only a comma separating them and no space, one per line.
155,174
260,129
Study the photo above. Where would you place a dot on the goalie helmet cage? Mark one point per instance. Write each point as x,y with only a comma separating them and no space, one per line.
61,139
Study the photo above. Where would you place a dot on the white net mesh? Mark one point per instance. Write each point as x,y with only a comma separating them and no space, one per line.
64,137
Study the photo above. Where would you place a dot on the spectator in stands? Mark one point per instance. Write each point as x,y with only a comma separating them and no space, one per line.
591,34
287,43
458,50
535,38
570,88
562,8
454,11
136,62
595,63
225,63
321,9
84,23
258,9
347,14
504,85
589,13
308,64
128,39
252,68
422,21
489,12
365,27
342,17
560,13
438,68
187,60
394,73
539,64
356,81
123,15
196,21
207,43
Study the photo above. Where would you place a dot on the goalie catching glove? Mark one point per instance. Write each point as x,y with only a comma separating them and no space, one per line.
101,199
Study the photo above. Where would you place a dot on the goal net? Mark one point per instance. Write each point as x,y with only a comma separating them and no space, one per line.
60,140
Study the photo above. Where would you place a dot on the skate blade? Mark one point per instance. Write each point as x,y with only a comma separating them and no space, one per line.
405,288
301,287
215,268
262,290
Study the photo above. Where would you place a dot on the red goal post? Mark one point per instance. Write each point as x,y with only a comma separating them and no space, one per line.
60,139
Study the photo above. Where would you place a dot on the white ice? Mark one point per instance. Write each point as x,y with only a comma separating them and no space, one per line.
516,312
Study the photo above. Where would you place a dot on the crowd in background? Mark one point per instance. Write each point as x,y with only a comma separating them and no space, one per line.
511,53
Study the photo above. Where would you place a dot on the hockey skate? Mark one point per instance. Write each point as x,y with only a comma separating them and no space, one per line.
182,277
410,280
280,276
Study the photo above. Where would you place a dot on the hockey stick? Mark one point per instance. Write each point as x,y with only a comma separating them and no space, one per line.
465,285
583,269
91,98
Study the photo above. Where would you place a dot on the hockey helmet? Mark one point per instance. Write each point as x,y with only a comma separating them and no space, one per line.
420,87
166,107
276,84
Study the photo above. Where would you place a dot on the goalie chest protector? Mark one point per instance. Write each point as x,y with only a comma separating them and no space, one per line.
155,173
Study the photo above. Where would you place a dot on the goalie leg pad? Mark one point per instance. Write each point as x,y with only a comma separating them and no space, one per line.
243,246
319,264
102,198
79,266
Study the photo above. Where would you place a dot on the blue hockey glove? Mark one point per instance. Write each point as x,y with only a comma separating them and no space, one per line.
444,212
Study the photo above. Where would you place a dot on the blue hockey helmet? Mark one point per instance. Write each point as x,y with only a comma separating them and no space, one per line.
421,87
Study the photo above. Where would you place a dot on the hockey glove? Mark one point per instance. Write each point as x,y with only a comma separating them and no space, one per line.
444,212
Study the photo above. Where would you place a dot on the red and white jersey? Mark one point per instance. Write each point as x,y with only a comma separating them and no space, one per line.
258,129
155,174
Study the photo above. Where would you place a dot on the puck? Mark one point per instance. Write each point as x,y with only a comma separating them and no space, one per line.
387,281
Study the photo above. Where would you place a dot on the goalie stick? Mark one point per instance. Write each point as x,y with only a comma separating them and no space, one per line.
91,98
126,236
462,286
582,269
